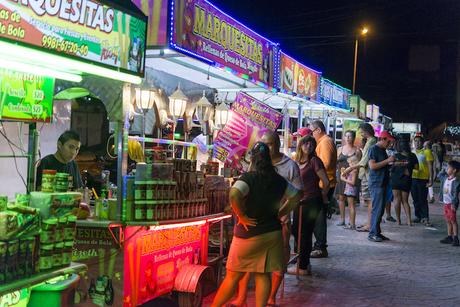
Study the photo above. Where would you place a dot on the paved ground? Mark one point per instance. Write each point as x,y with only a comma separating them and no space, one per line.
413,269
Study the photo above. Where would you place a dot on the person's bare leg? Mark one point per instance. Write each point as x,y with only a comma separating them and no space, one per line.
242,290
351,207
397,198
405,202
342,208
227,288
263,285
277,279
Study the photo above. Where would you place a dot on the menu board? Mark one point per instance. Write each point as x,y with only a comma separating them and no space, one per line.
249,120
86,30
25,97
298,78
204,31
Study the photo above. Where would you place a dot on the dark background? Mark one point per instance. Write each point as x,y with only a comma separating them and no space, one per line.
407,64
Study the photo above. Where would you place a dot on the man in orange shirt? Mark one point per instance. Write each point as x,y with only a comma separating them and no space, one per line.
327,152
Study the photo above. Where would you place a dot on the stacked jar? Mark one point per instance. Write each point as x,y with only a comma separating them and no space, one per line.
48,180
61,183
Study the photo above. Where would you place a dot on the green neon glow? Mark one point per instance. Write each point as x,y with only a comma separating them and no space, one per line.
40,71
27,55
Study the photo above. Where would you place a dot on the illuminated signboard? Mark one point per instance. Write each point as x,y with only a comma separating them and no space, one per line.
205,32
333,94
298,78
88,30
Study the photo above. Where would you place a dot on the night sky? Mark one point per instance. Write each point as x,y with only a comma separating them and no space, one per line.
407,64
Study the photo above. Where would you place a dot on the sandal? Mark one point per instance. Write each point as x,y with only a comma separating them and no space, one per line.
341,224
364,229
350,227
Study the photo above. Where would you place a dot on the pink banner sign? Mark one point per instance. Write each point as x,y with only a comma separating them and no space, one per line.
154,256
249,120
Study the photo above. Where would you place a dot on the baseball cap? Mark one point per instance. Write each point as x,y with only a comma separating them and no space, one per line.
303,132
386,135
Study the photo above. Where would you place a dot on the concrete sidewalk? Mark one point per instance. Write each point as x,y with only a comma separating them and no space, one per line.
412,269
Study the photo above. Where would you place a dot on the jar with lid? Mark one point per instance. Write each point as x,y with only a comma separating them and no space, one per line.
57,254
47,234
59,236
46,257
69,230
61,183
48,179
67,252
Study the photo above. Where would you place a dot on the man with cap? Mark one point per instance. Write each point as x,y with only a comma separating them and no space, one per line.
379,177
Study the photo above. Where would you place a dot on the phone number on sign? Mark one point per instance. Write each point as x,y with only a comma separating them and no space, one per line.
62,45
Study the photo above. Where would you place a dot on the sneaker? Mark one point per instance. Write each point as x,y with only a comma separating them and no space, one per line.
350,227
390,219
416,220
302,272
456,242
447,240
319,253
341,224
383,237
427,223
375,239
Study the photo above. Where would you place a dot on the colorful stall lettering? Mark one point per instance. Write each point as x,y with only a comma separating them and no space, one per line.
87,30
333,94
154,256
298,78
203,30
249,120
25,97
157,11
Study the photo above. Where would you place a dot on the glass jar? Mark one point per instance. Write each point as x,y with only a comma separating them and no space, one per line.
46,257
48,231
48,179
69,230
57,254
67,253
61,183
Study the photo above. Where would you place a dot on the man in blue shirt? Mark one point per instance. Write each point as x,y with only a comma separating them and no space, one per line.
379,177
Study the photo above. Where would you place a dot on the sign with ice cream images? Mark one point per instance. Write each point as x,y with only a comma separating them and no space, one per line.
298,78
87,29
249,120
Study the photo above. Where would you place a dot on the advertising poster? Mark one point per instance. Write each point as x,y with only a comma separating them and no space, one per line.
102,284
370,111
154,256
333,94
249,120
204,30
25,97
375,113
354,105
362,108
87,30
157,12
298,78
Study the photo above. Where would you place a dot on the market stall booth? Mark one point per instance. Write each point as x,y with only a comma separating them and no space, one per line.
45,50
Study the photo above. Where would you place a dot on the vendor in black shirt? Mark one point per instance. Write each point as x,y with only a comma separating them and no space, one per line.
63,161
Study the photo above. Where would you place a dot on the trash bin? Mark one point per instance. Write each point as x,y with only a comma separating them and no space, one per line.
56,293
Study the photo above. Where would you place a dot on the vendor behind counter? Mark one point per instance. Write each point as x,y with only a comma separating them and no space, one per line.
63,161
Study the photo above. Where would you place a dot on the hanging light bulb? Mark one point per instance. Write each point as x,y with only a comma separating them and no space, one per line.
203,109
222,114
177,103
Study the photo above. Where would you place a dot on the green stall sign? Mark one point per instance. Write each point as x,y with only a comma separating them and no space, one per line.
25,97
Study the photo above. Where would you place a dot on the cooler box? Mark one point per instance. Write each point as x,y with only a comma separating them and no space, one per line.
60,293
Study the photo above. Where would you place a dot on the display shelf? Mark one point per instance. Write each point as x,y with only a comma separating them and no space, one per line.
208,218
97,223
39,278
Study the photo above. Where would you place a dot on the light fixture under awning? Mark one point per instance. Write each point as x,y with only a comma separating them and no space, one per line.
59,64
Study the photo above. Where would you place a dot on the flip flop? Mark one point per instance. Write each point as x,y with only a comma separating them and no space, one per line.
362,229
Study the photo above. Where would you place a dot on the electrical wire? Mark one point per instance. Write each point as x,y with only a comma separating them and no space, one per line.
10,144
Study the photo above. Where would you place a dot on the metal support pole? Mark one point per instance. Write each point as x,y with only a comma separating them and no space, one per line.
121,138
286,131
354,66
299,116
32,153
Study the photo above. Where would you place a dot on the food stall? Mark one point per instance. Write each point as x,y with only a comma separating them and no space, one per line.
43,54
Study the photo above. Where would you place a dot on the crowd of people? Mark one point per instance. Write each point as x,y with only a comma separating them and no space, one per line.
281,195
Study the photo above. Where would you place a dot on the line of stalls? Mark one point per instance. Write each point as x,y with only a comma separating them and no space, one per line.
140,83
